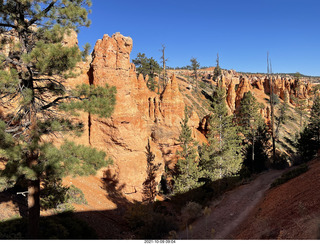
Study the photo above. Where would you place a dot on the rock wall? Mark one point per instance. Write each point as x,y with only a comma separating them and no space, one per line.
139,116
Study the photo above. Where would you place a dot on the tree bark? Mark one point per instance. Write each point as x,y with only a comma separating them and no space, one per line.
33,184
33,208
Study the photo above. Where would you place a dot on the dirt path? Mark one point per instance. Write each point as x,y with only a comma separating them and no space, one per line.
231,210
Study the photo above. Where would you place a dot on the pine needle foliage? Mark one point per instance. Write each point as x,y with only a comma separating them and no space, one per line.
255,134
34,66
147,66
188,170
309,138
221,157
150,184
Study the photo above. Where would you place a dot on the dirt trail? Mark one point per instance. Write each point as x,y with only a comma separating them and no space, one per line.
234,207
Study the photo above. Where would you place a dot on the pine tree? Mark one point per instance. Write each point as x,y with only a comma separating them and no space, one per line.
150,184
33,87
282,118
147,66
217,70
300,108
188,171
195,65
314,121
222,156
250,119
309,139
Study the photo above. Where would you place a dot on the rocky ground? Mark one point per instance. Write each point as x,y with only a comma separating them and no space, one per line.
253,211
231,210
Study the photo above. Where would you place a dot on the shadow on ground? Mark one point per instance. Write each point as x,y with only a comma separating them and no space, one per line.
130,220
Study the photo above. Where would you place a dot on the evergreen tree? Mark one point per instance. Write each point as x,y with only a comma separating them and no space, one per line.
33,87
250,120
309,139
150,184
260,151
217,70
195,65
300,108
147,66
314,121
222,156
188,171
282,118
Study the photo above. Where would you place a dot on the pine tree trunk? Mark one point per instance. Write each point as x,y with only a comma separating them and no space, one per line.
33,184
272,122
33,208
253,149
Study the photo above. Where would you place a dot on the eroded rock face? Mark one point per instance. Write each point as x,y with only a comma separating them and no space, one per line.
244,86
231,96
172,105
140,116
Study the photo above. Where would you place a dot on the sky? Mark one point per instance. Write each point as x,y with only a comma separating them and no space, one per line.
241,31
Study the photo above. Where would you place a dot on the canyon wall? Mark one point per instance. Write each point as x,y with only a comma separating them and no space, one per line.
140,116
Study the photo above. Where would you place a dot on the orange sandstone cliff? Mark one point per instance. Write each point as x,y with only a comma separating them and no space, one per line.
140,116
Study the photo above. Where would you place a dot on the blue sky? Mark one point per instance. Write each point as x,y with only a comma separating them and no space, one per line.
241,31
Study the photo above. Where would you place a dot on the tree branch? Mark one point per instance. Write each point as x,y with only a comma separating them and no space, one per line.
54,102
9,60
17,128
39,16
7,25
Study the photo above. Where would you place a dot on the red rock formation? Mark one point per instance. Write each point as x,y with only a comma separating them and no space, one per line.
244,86
259,84
140,115
172,105
231,96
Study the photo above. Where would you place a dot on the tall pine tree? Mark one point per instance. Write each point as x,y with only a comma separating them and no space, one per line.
222,156
33,75
188,171
150,184
283,115
309,139
250,120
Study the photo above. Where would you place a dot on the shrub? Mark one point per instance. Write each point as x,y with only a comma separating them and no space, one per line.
290,175
56,196
75,195
190,212
53,194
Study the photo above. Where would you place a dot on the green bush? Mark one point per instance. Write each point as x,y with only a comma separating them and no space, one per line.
75,195
290,175
53,194
56,196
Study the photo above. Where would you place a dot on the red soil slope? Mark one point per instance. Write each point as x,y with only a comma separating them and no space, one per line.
289,211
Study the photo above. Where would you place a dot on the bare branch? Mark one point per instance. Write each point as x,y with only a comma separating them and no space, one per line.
55,102
18,128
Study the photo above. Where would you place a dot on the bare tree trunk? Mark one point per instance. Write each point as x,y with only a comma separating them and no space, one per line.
164,65
272,125
33,208
253,138
269,69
